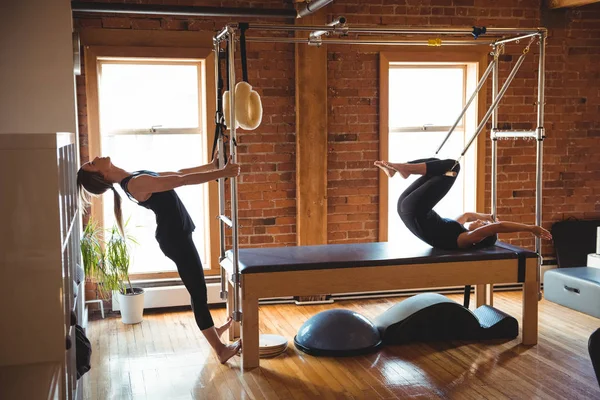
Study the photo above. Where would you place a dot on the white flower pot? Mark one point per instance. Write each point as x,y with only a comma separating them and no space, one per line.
132,306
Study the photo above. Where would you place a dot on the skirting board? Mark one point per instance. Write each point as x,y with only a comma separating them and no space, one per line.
172,296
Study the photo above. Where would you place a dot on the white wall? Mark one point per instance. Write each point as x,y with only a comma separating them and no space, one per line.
37,88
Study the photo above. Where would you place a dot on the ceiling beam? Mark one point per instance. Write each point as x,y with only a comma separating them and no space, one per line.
552,4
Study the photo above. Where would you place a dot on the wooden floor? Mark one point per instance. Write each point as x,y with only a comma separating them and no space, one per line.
166,357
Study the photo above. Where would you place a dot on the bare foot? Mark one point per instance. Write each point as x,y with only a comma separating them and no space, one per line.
385,168
399,170
228,351
223,328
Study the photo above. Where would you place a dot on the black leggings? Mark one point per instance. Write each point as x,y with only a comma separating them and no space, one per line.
182,251
424,193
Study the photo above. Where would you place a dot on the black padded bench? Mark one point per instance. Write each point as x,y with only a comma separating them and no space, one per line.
343,268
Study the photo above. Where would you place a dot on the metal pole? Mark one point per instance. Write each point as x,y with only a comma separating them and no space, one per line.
184,11
237,314
374,42
495,102
499,133
223,294
312,6
466,107
222,35
339,23
539,152
494,191
515,39
399,30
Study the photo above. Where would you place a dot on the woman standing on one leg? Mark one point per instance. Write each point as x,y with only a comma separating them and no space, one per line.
415,207
174,225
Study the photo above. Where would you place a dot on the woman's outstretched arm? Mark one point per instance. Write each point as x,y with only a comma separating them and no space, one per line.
467,239
213,165
142,186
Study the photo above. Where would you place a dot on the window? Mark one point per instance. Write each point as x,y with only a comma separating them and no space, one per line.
425,99
151,117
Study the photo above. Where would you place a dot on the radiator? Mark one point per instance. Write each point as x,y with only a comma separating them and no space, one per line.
172,296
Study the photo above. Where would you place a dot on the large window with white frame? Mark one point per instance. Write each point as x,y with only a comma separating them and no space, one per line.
150,113
425,100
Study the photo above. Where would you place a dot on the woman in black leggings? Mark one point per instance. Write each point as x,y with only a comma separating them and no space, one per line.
174,226
415,207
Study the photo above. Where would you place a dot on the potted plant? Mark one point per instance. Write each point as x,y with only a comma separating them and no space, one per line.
92,254
108,262
116,277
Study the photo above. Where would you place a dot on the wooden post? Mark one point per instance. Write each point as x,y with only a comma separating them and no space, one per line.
250,349
530,303
311,138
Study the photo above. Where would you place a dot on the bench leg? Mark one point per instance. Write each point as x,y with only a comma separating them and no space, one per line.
489,291
480,295
250,351
234,329
530,312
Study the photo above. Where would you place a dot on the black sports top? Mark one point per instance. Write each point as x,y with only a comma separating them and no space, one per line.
441,233
172,219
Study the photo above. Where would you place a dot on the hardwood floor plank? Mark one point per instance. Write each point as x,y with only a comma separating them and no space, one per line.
166,356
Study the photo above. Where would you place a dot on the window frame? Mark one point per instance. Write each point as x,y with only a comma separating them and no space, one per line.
159,129
114,43
441,65
426,55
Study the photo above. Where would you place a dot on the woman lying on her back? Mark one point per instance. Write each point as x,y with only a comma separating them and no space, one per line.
415,207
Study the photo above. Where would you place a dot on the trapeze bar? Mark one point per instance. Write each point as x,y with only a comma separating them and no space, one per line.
515,39
226,220
495,103
388,30
369,42
498,133
466,107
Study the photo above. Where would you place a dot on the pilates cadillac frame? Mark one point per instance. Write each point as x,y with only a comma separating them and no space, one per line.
495,38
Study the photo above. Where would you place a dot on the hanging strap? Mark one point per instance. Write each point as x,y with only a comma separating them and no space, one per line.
219,117
243,27
226,56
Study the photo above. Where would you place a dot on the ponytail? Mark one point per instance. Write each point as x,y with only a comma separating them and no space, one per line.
118,212
93,183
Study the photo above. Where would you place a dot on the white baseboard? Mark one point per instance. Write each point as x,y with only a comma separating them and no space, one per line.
172,296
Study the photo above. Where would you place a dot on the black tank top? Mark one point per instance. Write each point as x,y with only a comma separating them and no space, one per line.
172,219
439,232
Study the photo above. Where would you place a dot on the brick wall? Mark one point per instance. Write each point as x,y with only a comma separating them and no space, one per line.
267,186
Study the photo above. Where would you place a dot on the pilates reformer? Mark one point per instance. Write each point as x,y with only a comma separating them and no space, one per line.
248,275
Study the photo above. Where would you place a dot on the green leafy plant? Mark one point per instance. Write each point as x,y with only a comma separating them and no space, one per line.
118,261
92,253
107,262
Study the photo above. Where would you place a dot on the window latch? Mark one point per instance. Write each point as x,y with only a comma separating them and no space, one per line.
153,128
425,126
